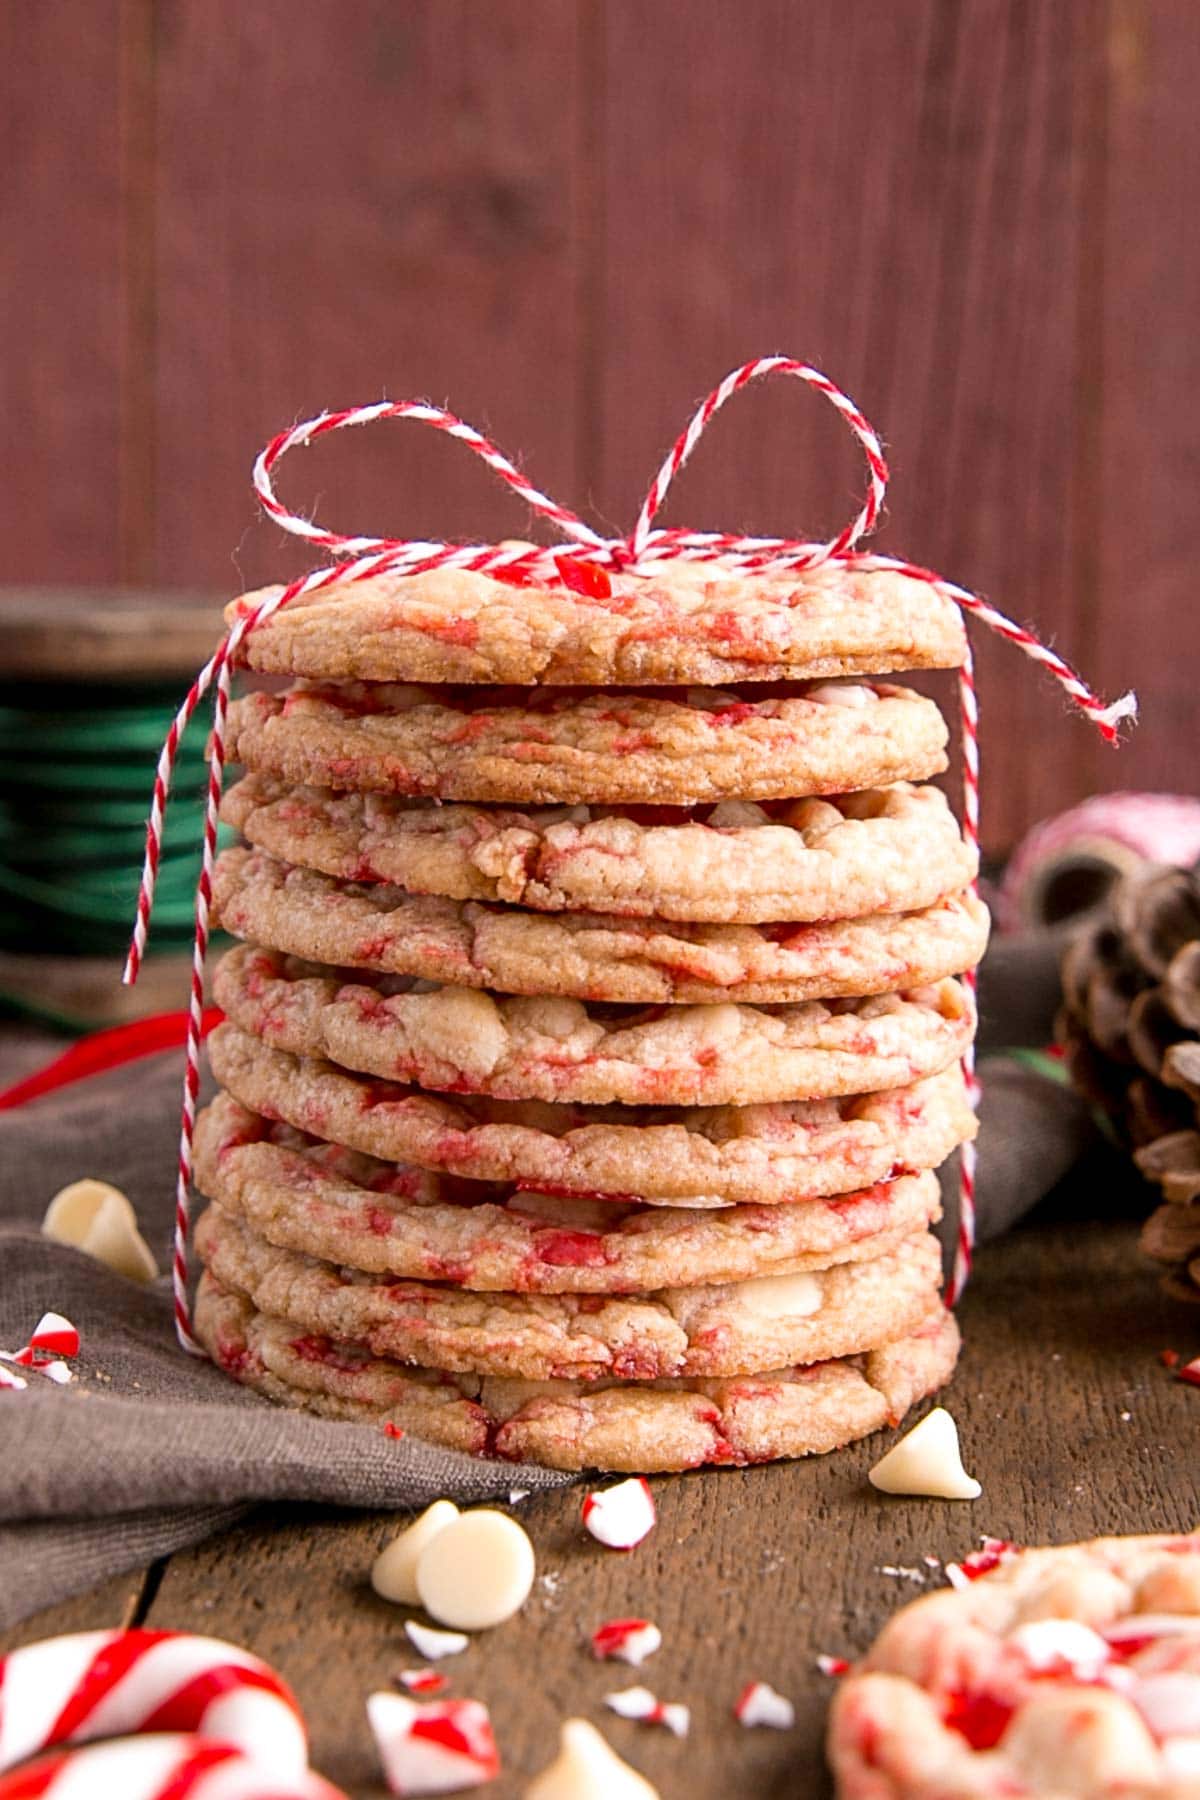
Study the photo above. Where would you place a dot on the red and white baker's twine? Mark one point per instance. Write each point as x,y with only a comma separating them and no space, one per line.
590,554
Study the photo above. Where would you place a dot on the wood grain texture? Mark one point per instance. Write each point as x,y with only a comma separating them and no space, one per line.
61,260
751,1573
390,208
1143,626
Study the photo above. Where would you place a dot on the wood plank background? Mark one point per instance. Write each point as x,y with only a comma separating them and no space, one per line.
568,218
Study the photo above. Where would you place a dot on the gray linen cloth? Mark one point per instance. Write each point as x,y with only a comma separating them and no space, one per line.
150,1450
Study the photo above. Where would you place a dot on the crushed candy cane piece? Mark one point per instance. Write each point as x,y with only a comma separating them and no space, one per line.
441,1747
57,1371
901,1572
992,1552
626,1640
394,1571
926,1461
97,1218
10,1379
640,1704
759,1704
421,1681
477,1572
833,1665
433,1644
588,1768
1169,1359
53,1336
620,1516
1189,1372
516,1495
391,1431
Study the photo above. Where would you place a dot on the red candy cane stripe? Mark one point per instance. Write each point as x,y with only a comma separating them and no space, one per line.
96,1684
173,1767
639,553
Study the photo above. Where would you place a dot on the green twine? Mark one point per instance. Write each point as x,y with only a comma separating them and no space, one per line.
76,772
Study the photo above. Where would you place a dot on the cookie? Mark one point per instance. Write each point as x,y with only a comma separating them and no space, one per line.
894,849
731,1328
685,623
1064,1671
392,1219
644,1428
559,747
587,955
710,1157
530,1048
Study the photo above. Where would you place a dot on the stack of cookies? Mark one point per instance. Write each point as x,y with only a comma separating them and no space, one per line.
593,1035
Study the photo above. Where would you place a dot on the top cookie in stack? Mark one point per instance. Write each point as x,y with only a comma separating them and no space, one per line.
595,1033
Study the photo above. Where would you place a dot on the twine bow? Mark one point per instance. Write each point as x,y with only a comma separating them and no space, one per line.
587,566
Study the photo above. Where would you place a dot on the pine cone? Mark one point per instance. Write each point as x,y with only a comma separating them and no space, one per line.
1130,1030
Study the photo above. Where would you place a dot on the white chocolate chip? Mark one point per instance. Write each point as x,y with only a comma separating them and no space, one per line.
841,693
433,1644
760,1704
96,1218
477,1572
586,1768
465,1029
394,1571
926,1461
1048,1644
780,1296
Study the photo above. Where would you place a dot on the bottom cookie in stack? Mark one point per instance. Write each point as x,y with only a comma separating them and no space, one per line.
547,1330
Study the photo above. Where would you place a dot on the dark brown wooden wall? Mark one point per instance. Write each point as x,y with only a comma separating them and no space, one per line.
569,218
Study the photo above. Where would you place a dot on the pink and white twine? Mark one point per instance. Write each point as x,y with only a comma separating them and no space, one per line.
590,556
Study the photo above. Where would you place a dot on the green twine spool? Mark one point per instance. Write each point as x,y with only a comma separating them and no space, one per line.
76,773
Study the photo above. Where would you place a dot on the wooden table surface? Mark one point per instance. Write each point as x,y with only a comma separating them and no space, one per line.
1067,1416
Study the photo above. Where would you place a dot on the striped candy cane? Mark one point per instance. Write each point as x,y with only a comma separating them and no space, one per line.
98,1684
166,1766
590,559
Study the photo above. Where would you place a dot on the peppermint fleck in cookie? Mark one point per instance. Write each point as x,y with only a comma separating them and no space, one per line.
392,1219
641,1428
550,746
709,1157
1070,1671
894,849
529,1048
685,623
585,954
733,1328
